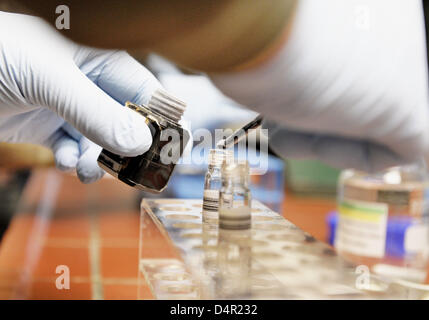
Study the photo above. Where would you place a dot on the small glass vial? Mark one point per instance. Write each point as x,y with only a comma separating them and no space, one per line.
152,170
234,235
213,182
235,199
383,220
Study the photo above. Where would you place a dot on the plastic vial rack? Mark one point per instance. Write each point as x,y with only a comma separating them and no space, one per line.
183,258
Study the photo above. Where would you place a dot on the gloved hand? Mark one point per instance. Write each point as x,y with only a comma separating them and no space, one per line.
68,97
348,87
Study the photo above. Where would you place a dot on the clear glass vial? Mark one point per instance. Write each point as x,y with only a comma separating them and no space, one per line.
383,220
235,198
152,170
234,235
213,182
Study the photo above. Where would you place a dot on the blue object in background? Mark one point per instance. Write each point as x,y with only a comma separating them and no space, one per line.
332,222
395,237
188,182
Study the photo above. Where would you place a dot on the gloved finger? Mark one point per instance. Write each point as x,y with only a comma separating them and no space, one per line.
118,74
65,149
335,151
71,131
95,114
87,168
34,126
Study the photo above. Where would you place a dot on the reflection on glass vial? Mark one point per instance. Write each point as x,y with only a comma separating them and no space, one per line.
234,263
383,220
213,182
235,198
151,171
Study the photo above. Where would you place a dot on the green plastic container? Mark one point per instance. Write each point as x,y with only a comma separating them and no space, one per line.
311,176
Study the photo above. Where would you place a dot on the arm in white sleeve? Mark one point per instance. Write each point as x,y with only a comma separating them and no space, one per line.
349,86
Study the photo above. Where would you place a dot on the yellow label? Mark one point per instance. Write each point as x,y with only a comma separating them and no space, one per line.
364,211
362,228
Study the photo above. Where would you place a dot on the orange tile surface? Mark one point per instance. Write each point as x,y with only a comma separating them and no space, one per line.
46,290
14,244
91,229
126,292
309,213
122,224
77,260
119,262
70,226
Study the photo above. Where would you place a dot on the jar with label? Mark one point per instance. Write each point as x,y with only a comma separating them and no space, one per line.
383,221
213,182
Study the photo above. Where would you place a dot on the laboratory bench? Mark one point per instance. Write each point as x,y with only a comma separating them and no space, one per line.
94,230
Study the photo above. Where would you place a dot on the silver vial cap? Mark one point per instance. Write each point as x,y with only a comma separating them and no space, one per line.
167,105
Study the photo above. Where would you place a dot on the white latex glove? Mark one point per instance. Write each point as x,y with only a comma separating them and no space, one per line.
349,87
68,97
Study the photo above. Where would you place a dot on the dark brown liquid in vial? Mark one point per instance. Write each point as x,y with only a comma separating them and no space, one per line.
147,171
